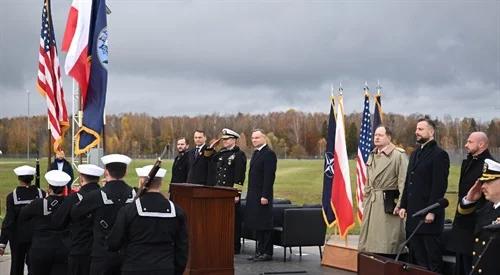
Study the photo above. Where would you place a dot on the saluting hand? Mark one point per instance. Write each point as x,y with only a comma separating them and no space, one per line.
214,143
474,193
264,201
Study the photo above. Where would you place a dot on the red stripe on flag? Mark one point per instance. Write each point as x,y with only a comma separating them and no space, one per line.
341,203
70,28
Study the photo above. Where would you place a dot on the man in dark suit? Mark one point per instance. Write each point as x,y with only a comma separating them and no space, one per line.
426,183
61,164
198,162
180,168
461,236
485,261
259,205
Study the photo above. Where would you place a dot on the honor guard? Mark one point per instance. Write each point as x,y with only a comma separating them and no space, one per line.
229,166
80,229
151,232
15,232
48,253
103,205
486,246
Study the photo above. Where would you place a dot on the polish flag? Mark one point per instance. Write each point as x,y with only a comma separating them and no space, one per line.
75,43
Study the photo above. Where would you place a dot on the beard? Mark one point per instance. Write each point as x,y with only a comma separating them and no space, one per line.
422,140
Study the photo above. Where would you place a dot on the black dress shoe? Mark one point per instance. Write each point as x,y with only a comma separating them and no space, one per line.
264,258
252,258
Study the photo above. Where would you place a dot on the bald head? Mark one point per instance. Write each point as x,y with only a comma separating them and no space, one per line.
476,143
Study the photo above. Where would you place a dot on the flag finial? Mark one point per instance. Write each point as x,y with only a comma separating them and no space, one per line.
341,90
379,87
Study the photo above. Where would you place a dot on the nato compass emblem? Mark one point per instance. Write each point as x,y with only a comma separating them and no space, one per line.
102,47
329,165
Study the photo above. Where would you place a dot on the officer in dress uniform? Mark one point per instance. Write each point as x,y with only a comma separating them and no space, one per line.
489,185
103,205
15,232
49,251
229,166
151,232
81,229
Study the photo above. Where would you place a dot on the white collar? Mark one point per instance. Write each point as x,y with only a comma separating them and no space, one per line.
262,146
199,147
496,205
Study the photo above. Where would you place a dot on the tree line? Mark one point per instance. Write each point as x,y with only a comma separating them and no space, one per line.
292,134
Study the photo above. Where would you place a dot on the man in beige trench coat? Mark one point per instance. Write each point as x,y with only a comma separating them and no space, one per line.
382,231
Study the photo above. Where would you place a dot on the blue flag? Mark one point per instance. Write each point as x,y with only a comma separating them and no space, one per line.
89,134
328,213
377,113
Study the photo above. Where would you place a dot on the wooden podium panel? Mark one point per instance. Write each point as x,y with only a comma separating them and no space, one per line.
210,222
372,264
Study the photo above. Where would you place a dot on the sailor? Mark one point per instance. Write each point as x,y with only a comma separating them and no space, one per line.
103,205
151,232
80,229
16,233
49,252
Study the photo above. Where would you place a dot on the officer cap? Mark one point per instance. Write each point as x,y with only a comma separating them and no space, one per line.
116,158
228,133
57,178
491,170
90,169
24,170
144,171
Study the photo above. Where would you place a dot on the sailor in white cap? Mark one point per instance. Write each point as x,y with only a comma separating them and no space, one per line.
103,205
16,233
48,252
488,213
150,223
80,229
229,168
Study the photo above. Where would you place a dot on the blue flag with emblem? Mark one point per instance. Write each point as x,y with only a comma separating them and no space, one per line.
89,135
326,200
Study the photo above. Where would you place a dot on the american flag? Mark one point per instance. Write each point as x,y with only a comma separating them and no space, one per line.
364,148
49,81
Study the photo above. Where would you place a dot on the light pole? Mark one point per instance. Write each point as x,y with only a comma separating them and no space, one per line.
28,127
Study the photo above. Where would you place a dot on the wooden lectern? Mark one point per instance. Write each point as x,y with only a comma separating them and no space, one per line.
210,222
372,264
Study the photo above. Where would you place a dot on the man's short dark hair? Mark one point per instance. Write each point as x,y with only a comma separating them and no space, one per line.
388,131
116,170
26,179
89,178
429,121
156,183
200,131
184,138
57,189
258,130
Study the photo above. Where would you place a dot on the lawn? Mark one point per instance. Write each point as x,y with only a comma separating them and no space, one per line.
297,180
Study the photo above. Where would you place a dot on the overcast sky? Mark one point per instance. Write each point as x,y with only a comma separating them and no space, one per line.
199,57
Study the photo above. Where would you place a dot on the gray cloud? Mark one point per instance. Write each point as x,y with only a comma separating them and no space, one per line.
193,57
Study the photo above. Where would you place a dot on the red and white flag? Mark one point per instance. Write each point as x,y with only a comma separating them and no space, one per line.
341,189
75,43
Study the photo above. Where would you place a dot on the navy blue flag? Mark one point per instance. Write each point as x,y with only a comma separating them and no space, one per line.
328,213
377,113
89,134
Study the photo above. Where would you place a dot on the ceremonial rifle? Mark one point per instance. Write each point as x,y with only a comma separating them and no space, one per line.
152,173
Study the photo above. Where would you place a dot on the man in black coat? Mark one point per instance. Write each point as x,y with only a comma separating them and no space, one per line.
198,162
81,229
18,233
485,261
426,183
103,205
180,168
61,164
461,235
151,232
228,168
259,205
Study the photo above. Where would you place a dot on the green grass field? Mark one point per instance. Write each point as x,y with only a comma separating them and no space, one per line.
300,181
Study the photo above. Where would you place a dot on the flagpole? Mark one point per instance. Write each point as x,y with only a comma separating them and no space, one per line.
104,132
49,152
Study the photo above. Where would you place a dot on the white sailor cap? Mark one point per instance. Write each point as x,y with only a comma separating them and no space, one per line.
57,178
144,171
24,170
90,169
491,170
116,158
228,133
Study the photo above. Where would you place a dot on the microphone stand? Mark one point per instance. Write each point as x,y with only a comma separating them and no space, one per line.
409,238
480,257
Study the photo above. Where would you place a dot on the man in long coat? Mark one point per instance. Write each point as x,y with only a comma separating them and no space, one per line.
383,231
259,207
426,183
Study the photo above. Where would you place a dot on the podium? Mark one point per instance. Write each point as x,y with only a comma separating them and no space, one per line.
210,221
372,264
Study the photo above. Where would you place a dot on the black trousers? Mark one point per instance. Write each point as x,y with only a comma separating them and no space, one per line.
19,255
425,251
264,242
79,265
237,227
463,264
154,272
106,265
48,261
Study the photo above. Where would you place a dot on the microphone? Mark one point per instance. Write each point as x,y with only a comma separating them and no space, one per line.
441,203
492,227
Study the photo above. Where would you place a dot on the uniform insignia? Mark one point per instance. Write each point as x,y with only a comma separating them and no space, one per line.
485,167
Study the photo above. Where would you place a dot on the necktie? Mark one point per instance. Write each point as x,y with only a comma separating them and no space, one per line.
196,152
